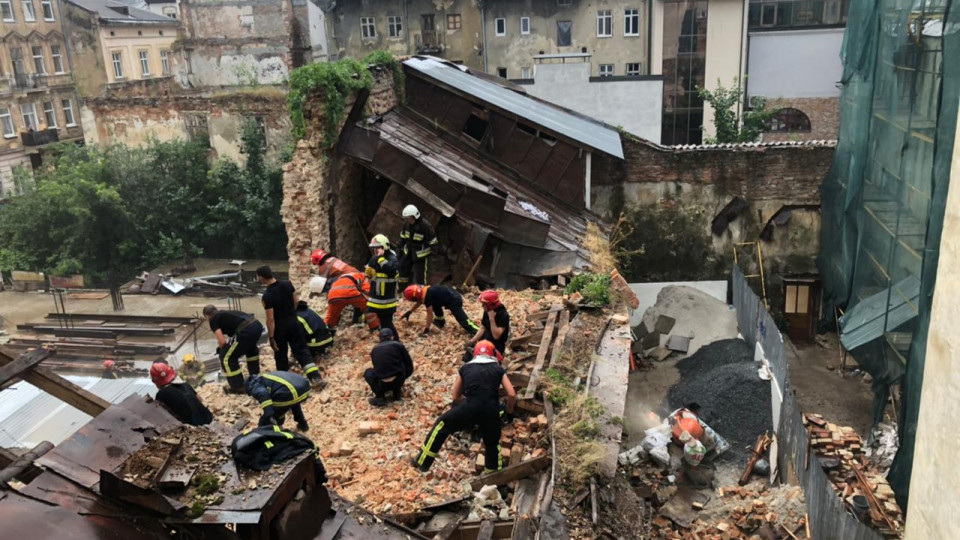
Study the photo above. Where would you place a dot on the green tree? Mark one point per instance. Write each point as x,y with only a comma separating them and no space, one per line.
732,127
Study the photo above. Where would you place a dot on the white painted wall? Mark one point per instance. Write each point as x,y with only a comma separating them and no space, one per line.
726,50
636,105
795,63
318,32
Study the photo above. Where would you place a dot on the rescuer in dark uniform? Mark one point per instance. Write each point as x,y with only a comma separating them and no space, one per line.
244,330
279,300
495,324
417,241
278,392
318,336
438,297
476,398
381,270
392,366
178,397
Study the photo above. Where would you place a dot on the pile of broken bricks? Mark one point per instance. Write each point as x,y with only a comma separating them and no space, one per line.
649,344
840,451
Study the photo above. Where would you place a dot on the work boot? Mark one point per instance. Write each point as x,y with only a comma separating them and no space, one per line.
303,426
413,461
377,401
227,389
317,382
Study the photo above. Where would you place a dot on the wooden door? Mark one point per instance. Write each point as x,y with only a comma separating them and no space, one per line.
799,306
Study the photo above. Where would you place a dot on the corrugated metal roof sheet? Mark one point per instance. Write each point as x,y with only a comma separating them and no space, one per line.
807,144
106,12
29,415
590,133
864,322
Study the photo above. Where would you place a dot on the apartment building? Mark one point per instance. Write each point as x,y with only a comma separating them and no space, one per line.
37,102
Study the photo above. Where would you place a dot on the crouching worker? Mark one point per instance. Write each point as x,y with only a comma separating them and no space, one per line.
476,398
318,336
392,366
178,397
279,392
435,298
244,331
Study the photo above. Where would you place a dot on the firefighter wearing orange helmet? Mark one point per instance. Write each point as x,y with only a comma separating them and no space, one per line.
435,298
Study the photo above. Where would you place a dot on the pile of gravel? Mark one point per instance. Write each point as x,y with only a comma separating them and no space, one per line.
722,378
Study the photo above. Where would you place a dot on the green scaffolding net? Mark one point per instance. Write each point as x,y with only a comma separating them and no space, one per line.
883,199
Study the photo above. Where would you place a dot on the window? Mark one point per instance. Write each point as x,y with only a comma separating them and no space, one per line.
454,22
524,25
197,130
631,22
476,127
67,106
164,63
606,70
6,10
768,14
144,63
604,23
7,121
564,33
28,111
49,114
789,121
797,299
368,28
47,7
633,69
171,12
38,64
502,72
501,26
57,56
117,65
394,26
526,73
29,14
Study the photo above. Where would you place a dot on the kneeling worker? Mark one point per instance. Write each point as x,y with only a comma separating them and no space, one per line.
244,330
392,366
318,336
178,397
476,398
279,392
350,289
438,297
495,324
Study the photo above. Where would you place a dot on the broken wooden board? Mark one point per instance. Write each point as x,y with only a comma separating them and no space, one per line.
176,478
531,405
679,508
561,337
542,353
511,473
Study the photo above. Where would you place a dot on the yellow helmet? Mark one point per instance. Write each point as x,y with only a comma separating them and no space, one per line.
189,358
380,240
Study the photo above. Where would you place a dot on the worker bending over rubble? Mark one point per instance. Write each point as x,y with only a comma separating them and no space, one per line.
350,289
382,272
476,399
178,397
437,297
278,392
244,331
392,366
417,241
318,336
279,302
328,266
495,324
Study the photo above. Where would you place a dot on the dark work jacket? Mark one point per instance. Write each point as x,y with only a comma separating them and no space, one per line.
318,335
390,358
417,240
182,401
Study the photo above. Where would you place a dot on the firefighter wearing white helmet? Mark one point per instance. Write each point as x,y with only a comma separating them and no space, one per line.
417,242
382,271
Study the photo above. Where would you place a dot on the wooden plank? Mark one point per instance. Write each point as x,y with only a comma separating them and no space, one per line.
486,531
523,340
447,531
60,388
511,473
530,405
561,337
24,362
541,356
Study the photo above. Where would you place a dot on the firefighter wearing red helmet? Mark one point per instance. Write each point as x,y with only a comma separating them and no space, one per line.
178,397
495,323
330,267
476,398
435,298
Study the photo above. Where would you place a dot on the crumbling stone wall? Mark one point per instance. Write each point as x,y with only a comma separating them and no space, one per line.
321,190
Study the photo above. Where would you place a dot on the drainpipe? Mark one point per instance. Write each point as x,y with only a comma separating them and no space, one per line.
649,36
483,31
406,20
741,68
587,181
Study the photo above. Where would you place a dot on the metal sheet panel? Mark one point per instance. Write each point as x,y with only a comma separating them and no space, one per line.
882,312
587,132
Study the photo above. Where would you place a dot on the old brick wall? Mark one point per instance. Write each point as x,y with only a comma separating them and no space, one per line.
824,114
321,190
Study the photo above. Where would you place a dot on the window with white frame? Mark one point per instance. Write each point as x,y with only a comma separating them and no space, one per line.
7,121
631,22
524,25
394,26
28,112
6,10
47,7
57,55
49,114
368,28
117,64
39,66
29,14
165,62
454,21
144,63
67,106
526,72
606,70
633,69
604,23
500,25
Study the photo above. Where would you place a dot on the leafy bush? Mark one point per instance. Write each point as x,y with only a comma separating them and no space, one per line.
334,81
595,288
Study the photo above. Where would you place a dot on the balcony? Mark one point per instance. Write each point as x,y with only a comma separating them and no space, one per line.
24,81
40,138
